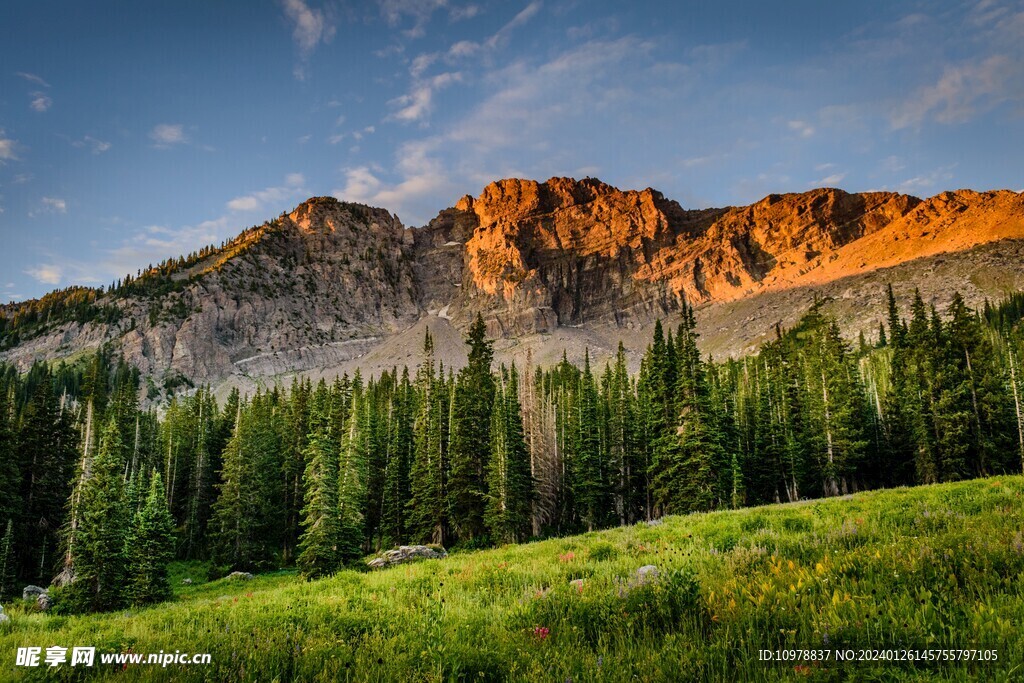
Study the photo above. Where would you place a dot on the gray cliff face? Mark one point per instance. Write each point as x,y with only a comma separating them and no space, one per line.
332,286
316,286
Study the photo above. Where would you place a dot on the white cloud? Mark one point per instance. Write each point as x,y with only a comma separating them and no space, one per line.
830,180
464,12
271,197
463,48
421,63
32,78
47,273
168,134
927,182
55,204
417,104
801,128
7,146
95,145
40,102
311,28
422,176
962,91
527,13
394,11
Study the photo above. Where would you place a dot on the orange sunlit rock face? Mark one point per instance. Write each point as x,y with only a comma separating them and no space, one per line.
564,252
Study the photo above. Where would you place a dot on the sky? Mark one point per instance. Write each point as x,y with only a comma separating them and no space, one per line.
133,132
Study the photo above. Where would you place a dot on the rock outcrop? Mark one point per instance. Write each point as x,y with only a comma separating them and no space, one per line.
407,553
333,285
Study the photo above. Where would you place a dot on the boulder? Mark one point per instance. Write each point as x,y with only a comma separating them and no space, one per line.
3,617
44,602
240,576
646,574
408,553
186,582
31,592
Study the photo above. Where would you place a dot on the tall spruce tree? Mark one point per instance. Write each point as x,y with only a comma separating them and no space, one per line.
509,484
318,545
98,556
470,437
150,548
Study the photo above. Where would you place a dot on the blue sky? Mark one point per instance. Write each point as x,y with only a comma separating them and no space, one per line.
130,132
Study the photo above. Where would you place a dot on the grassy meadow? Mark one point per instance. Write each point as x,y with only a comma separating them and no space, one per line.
936,566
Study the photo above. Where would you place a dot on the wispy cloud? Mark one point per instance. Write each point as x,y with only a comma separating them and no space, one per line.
928,183
311,27
32,78
49,205
47,273
95,145
420,11
524,15
168,134
830,180
271,197
55,204
417,104
40,101
422,175
7,148
801,128
962,91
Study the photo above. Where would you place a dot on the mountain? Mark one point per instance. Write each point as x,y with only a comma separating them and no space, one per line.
551,266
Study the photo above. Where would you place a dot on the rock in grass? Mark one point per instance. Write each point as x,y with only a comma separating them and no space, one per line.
186,582
31,592
655,522
44,602
3,617
240,576
408,553
647,574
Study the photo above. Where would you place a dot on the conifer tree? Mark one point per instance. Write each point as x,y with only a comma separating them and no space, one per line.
8,563
470,438
150,548
588,485
356,446
318,545
427,506
98,556
248,514
509,485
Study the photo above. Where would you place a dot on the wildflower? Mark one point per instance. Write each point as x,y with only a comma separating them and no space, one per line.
541,632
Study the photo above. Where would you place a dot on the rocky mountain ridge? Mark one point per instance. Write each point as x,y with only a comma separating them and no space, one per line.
332,285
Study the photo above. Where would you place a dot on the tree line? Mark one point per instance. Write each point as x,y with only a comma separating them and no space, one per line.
98,495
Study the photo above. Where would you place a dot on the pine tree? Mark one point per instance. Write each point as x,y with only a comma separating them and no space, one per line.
150,548
248,516
356,446
588,486
98,555
470,438
318,545
8,563
509,485
686,455
427,506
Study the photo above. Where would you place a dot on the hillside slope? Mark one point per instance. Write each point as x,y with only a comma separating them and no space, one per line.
550,266
935,566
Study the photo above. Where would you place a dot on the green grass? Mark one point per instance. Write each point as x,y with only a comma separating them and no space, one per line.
932,566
